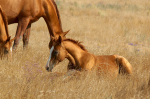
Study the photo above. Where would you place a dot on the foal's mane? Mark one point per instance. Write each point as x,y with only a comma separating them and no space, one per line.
58,15
77,43
5,20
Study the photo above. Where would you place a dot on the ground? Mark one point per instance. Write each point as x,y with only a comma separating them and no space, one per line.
105,27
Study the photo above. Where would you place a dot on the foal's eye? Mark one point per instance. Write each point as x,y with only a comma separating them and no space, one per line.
55,52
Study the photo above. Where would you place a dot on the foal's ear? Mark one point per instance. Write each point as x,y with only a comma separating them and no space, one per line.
60,39
64,33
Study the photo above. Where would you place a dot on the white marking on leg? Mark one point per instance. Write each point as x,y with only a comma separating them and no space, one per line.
51,50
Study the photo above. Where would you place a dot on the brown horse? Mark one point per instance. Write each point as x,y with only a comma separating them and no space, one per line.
25,12
83,60
5,42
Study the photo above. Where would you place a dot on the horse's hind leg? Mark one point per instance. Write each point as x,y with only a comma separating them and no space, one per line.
124,66
149,83
26,37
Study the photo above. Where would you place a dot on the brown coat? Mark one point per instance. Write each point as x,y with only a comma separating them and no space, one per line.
25,12
5,42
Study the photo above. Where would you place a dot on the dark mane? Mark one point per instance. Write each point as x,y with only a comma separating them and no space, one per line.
77,43
57,13
5,21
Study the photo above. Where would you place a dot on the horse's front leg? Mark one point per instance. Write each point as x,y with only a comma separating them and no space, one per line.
22,26
26,36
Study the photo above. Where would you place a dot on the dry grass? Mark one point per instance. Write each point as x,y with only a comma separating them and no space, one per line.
104,27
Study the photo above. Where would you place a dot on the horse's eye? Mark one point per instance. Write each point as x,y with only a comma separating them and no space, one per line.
6,51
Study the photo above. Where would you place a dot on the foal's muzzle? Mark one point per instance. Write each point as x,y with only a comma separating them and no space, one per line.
50,66
47,68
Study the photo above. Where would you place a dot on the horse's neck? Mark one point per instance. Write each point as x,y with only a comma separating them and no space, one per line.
52,18
3,34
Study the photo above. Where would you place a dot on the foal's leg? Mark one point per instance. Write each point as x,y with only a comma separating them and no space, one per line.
26,36
22,25
71,66
72,73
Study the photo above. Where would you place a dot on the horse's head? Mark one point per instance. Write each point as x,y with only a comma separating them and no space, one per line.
7,46
57,54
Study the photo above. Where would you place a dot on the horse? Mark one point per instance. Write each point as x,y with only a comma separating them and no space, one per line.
82,60
25,12
5,41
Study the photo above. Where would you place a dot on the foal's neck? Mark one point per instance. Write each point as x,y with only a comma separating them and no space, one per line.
74,50
81,58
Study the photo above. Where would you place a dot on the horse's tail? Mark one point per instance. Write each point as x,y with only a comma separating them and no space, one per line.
124,65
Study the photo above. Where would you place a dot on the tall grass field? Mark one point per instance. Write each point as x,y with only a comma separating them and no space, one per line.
105,27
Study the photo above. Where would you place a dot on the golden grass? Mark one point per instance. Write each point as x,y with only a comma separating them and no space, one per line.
104,27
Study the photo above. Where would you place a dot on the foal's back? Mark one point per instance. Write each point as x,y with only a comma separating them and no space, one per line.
113,64
107,64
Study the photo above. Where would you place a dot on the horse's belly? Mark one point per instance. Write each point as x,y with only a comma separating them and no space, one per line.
17,9
11,9
34,19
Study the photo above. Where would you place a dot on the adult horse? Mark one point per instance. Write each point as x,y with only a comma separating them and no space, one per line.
25,12
5,42
83,60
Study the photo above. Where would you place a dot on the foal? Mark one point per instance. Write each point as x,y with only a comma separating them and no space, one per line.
5,42
83,60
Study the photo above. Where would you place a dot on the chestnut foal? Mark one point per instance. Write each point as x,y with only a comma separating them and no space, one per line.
83,60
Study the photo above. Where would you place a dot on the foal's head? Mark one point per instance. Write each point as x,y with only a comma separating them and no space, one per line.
57,54
55,38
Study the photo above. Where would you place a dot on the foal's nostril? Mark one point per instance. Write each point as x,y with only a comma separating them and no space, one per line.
47,68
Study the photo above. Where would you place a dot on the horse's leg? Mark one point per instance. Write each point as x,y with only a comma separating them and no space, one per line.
149,83
22,25
26,36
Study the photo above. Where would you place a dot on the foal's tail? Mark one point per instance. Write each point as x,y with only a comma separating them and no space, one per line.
124,65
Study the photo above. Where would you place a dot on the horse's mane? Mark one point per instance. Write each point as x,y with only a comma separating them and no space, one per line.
58,15
77,43
5,21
